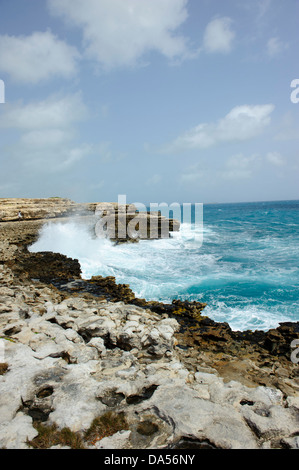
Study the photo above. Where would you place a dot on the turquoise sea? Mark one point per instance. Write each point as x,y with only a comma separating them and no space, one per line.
246,269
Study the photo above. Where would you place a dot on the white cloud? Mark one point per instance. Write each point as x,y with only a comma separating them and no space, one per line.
56,112
236,167
45,138
275,47
241,123
69,156
119,33
275,158
218,36
53,159
31,59
46,141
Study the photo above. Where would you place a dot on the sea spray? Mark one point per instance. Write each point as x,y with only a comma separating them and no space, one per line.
246,269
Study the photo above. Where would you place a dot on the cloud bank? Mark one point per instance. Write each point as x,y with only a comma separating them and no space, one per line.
46,137
38,57
118,33
241,123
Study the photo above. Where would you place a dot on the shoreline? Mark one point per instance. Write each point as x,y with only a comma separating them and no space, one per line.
179,349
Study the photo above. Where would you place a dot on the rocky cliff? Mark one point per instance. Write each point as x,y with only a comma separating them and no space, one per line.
33,209
85,364
115,221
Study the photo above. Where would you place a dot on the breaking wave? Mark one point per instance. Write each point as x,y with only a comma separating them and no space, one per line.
246,269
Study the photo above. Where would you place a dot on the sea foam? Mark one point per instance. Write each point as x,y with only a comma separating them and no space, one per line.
246,269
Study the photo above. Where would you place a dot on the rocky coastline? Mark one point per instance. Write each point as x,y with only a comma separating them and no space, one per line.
86,364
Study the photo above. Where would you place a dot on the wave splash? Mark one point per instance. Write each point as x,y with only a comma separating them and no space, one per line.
240,273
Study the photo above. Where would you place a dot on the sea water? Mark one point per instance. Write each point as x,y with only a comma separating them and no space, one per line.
246,269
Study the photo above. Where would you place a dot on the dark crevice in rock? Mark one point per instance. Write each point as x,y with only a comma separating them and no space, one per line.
189,443
54,374
122,344
262,412
12,331
167,419
53,321
85,334
37,414
23,314
64,355
147,428
108,343
246,402
253,428
145,394
45,392
112,399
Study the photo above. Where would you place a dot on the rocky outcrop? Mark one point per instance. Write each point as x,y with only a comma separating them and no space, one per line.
72,360
119,222
47,265
121,225
76,353
34,209
252,358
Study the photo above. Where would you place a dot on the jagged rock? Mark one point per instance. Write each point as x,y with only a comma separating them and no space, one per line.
71,359
39,208
197,418
7,251
47,266
271,422
118,222
85,347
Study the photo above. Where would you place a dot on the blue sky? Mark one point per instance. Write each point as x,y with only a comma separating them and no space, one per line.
160,100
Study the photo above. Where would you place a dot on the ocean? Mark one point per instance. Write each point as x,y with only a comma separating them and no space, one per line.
246,269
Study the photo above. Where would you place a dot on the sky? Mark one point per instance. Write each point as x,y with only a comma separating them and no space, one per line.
190,101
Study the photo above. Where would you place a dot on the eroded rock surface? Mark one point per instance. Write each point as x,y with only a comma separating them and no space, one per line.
119,222
73,350
71,359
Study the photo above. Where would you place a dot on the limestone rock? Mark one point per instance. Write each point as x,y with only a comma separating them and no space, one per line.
200,419
15,433
119,440
81,349
118,222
